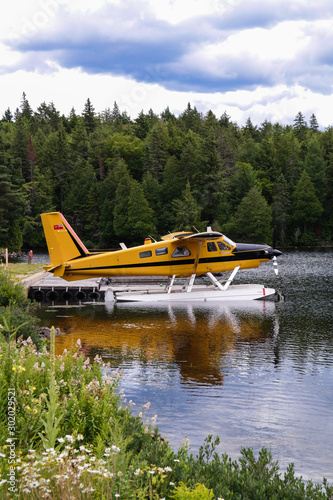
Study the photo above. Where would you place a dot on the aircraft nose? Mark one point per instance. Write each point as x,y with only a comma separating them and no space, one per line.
275,252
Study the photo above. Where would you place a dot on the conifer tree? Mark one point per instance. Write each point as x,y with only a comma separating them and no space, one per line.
88,115
281,207
252,220
306,207
140,215
187,211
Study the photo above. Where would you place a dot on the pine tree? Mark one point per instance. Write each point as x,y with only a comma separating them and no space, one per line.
26,110
300,127
89,118
140,215
7,116
313,123
306,207
281,207
252,220
187,211
11,210
315,165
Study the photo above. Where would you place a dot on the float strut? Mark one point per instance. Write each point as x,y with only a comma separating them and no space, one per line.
227,283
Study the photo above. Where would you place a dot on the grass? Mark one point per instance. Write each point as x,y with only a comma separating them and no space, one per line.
23,269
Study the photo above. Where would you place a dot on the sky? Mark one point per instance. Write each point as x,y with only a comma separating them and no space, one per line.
258,59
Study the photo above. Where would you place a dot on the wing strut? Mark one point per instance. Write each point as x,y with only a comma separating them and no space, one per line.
227,283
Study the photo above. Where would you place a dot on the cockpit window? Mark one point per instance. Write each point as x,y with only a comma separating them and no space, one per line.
222,246
181,252
228,241
211,247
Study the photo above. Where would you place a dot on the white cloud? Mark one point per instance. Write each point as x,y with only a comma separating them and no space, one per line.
251,59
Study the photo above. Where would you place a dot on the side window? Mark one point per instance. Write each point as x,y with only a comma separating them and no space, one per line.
222,246
181,252
211,247
161,251
145,254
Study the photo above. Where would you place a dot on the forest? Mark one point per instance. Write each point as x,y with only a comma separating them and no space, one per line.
120,179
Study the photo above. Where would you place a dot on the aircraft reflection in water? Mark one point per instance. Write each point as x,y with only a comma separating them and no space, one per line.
192,337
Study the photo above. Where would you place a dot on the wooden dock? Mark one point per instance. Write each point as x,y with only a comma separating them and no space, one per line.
47,288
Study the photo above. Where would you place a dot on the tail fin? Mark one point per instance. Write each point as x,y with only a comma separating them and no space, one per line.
62,241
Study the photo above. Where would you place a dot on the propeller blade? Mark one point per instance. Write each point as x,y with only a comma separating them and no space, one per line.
275,265
274,237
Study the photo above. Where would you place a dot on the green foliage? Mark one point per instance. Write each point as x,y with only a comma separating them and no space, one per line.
187,211
11,293
252,220
51,162
199,492
306,207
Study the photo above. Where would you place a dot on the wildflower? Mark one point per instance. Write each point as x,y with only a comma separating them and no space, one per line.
115,448
79,437
62,367
70,438
2,455
3,481
61,440
151,472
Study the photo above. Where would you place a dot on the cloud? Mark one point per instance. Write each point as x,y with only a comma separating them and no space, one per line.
243,56
248,45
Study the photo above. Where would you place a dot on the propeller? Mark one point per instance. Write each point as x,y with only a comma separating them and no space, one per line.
275,264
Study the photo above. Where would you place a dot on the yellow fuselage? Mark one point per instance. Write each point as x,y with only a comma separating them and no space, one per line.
162,259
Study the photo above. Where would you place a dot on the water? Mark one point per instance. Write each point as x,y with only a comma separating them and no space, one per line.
257,374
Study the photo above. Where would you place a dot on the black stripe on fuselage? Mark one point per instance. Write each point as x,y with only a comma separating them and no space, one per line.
140,265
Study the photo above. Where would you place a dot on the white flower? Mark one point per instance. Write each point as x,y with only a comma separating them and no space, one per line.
115,448
61,440
69,438
79,437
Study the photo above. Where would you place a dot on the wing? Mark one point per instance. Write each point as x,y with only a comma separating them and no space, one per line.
212,235
196,236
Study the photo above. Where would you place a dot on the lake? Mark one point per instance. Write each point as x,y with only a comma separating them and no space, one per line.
258,374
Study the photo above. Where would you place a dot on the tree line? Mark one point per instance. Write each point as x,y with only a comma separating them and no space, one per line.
121,179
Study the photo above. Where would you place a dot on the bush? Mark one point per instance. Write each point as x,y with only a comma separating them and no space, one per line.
10,293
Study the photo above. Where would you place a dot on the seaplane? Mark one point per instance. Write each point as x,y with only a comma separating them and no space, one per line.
186,255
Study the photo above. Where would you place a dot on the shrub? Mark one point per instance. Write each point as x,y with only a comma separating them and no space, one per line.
10,293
